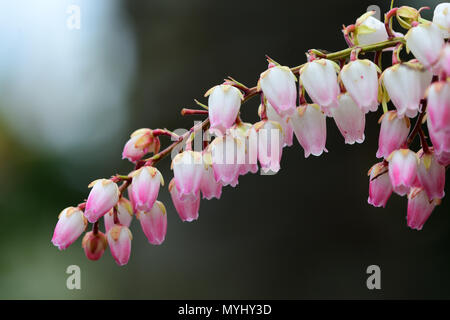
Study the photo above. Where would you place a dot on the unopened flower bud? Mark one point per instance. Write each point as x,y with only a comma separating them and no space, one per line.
431,175
425,42
441,143
419,208
228,154
188,169
243,131
441,18
94,245
393,133
102,198
209,187
144,188
402,170
124,214
188,206
380,187
369,30
119,240
438,99
71,224
154,223
288,132
141,142
349,119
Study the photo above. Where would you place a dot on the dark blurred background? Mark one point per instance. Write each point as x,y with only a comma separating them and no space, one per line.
70,98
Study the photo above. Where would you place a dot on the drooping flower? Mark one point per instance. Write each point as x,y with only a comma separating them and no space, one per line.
309,124
442,68
103,196
349,119
224,103
441,143
278,85
119,241
288,132
406,86
188,170
319,78
402,170
380,187
187,207
154,223
94,245
144,188
249,139
438,102
124,214
270,144
419,208
425,42
209,187
71,224
228,155
360,78
140,143
431,175
441,18
393,133
369,30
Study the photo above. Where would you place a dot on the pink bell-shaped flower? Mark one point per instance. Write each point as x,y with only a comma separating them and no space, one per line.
71,224
188,170
419,208
228,155
278,85
309,124
249,139
369,30
94,245
144,188
188,206
319,78
406,86
393,133
380,187
441,18
402,170
141,142
441,143
124,214
102,198
270,144
438,98
209,187
154,223
349,119
431,175
288,132
360,78
224,103
442,68
119,240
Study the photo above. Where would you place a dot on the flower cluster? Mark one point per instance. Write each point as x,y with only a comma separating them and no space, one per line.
294,101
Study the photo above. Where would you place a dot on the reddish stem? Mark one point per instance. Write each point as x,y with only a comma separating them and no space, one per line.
185,111
387,22
95,228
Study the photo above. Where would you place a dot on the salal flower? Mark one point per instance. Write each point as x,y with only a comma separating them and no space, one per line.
441,18
154,223
188,170
270,144
380,187
188,206
140,143
71,224
441,143
349,119
228,155
144,188
369,30
119,241
102,198
393,133
402,170
438,103
288,132
278,85
425,42
124,214
406,86
209,187
431,175
360,78
319,78
419,208
309,124
224,103
243,132
94,245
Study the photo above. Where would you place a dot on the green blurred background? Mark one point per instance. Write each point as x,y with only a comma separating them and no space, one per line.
70,98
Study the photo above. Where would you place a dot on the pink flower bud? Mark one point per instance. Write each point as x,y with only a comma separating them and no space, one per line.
443,66
224,103
144,188
71,224
439,105
360,78
441,143
402,170
270,144
243,132
369,30
188,169
154,223
288,132
419,208
94,245
425,42
103,196
119,240
188,206
141,142
278,85
319,77
209,187
431,175
406,86
310,128
441,18
393,133
228,154
349,119
124,214
380,187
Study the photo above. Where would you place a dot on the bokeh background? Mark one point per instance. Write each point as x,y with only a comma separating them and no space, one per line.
70,98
